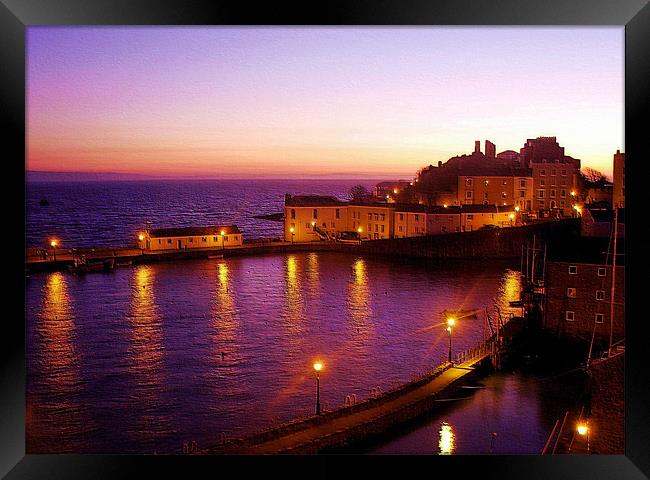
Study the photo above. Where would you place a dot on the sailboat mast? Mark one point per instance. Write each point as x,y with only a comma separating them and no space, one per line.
611,299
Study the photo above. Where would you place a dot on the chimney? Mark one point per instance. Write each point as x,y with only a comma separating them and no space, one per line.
477,146
439,163
490,149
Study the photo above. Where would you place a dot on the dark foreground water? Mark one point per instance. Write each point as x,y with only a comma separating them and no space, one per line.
145,358
111,213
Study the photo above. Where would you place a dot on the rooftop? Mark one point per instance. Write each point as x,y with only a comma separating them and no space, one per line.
312,201
606,215
193,231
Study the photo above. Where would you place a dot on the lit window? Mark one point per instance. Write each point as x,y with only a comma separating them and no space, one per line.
571,292
600,318
468,194
503,194
401,217
573,269
600,294
562,193
570,316
400,228
338,213
469,182
542,183
522,183
541,193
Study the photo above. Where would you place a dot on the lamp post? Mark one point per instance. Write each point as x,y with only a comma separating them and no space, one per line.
53,243
293,233
223,240
450,324
359,230
141,238
317,368
583,429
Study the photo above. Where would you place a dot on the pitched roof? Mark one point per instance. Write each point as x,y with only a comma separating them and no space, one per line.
193,231
487,208
312,201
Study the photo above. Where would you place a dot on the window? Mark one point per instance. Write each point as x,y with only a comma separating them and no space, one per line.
522,193
417,217
562,193
204,239
469,182
470,217
225,238
542,173
600,294
522,183
401,217
541,193
369,227
376,227
383,217
214,239
315,213
552,193
382,228
485,195
400,228
561,203
569,316
573,269
503,194
542,183
159,241
600,318
338,213
293,213
571,292
602,271
553,172
237,238
191,240
443,229
468,194
370,216
564,173
169,240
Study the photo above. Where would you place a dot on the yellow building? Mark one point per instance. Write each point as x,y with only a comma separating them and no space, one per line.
309,218
474,217
410,220
372,221
516,188
442,220
190,238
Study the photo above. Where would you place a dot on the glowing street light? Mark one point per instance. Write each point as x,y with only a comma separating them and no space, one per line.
223,239
141,238
54,243
318,366
359,230
573,193
395,191
450,323
583,430
292,230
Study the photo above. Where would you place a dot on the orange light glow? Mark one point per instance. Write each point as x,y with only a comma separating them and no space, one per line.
54,243
582,428
318,366
140,237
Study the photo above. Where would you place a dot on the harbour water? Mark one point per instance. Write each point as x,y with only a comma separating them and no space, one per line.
148,357
111,213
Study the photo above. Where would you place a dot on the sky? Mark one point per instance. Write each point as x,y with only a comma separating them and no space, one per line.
338,102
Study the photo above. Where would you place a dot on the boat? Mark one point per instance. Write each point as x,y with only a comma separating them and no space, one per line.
81,265
460,313
123,263
43,202
219,255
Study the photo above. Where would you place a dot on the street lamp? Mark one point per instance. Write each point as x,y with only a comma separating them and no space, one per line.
293,233
223,240
359,230
450,323
511,217
53,243
141,238
317,368
583,430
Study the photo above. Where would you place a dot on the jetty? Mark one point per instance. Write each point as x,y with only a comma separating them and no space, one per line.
355,422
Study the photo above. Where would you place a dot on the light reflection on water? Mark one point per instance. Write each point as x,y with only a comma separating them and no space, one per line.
151,356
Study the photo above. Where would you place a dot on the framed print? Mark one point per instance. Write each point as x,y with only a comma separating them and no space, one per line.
376,231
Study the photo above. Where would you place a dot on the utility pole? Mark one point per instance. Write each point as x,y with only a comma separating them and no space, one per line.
611,300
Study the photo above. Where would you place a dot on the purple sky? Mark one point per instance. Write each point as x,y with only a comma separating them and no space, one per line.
301,102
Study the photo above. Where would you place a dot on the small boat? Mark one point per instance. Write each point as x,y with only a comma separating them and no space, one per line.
220,255
43,202
81,265
460,313
123,263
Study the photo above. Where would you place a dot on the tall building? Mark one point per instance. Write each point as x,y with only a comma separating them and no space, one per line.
541,148
618,196
490,149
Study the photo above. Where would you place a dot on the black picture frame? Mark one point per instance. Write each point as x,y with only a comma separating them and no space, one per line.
16,15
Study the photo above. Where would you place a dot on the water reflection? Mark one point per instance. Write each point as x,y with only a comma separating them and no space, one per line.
225,323
294,308
446,442
509,291
313,274
56,406
146,357
359,299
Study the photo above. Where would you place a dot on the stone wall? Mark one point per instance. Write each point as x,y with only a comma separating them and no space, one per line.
607,421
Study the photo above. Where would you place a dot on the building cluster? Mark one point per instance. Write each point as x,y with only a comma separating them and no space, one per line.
311,217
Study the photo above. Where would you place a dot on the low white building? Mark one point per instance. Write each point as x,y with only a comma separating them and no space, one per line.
185,238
